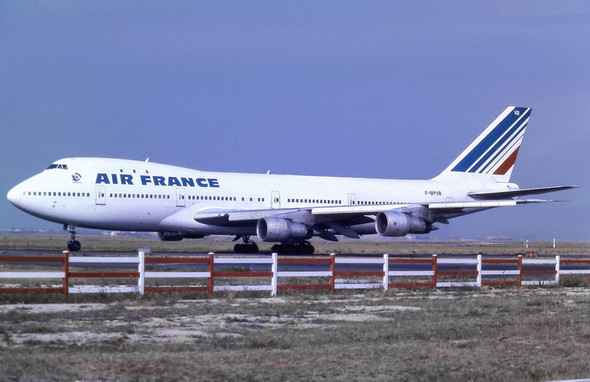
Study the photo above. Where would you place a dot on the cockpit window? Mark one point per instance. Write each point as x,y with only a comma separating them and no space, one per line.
57,165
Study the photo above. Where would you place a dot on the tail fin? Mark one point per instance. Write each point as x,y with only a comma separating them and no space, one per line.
494,152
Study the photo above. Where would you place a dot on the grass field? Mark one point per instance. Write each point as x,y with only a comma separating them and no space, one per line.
466,335
489,334
128,243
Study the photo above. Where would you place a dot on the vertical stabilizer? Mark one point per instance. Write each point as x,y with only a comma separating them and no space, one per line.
494,152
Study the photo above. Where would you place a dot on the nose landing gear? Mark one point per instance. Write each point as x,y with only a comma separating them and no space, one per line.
73,244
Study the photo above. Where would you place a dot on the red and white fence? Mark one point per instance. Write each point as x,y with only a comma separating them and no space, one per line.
215,277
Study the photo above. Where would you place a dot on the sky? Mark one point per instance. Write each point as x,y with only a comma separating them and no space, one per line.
380,89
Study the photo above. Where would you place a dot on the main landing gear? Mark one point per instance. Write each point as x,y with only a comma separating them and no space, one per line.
301,248
73,244
248,247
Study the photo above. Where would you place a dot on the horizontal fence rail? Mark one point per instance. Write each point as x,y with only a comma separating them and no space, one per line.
391,273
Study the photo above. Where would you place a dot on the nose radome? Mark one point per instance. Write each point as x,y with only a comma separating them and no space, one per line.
14,196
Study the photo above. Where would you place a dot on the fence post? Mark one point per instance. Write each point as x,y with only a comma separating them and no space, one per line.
479,269
434,270
385,272
66,270
141,269
275,277
557,268
211,273
519,271
332,272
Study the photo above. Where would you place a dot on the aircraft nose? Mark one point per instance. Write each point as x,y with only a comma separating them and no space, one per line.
14,196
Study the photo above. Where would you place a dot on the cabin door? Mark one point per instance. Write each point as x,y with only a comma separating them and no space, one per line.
275,200
351,199
180,197
101,196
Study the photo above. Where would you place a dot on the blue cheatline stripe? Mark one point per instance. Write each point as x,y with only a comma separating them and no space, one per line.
507,147
488,140
498,147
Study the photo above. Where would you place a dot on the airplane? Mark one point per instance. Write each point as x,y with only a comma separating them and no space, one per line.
179,203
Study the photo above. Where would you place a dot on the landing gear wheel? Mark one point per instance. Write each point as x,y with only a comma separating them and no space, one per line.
307,249
248,247
74,245
303,248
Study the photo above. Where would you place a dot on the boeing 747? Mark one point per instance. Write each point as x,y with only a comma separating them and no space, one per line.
178,203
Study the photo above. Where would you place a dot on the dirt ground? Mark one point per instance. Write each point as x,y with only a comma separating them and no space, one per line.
488,334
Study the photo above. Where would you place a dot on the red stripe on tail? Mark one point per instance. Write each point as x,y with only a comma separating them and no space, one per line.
508,163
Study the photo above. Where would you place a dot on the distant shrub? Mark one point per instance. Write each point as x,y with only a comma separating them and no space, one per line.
571,281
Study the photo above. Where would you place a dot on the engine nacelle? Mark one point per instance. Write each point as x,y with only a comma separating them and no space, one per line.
392,223
281,230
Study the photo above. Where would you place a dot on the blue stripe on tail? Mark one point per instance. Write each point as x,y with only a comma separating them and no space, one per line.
474,155
512,134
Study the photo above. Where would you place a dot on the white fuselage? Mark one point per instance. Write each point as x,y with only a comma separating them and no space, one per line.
119,194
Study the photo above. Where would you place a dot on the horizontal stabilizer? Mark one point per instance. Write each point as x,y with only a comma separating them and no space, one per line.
533,201
516,193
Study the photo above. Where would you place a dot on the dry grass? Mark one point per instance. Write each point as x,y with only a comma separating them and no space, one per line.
402,246
488,334
492,334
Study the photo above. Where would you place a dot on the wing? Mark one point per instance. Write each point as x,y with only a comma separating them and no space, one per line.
355,220
350,221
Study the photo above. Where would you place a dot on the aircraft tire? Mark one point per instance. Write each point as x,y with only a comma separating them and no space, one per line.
289,249
74,245
246,248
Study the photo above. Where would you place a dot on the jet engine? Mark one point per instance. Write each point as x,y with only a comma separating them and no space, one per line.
392,223
281,230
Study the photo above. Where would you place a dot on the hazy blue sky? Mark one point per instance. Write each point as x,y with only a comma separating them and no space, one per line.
345,88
